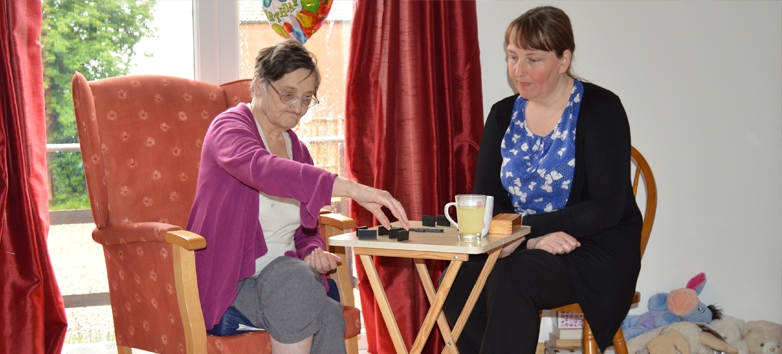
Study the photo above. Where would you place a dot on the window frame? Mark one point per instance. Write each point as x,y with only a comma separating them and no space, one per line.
216,41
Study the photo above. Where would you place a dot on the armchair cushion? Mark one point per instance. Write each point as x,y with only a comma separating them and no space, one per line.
231,324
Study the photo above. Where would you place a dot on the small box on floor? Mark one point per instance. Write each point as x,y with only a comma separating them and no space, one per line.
568,333
570,320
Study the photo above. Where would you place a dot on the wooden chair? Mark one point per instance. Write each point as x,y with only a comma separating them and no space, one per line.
141,143
642,171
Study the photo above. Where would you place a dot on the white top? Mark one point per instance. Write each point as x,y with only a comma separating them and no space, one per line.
279,218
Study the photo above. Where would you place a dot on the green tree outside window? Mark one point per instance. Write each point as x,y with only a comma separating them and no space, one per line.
96,38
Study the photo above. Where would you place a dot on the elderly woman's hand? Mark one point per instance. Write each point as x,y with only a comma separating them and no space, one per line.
372,199
323,262
554,243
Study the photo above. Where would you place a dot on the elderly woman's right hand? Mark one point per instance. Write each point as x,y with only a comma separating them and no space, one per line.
372,199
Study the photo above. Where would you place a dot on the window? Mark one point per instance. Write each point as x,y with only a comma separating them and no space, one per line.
209,40
323,127
170,51
99,39
102,39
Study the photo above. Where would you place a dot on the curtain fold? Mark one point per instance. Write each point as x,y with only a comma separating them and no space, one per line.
32,315
414,118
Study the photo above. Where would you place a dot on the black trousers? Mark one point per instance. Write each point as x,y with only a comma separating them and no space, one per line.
506,316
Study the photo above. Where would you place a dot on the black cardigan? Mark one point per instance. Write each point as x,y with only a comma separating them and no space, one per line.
601,211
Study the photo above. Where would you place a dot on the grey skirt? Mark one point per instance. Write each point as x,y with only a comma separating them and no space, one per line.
287,299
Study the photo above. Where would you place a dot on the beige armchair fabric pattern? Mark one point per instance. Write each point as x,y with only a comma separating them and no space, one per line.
140,155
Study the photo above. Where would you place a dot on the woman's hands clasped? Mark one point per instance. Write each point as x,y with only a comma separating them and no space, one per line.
554,243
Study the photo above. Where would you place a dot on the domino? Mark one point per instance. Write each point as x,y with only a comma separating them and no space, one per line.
366,234
442,221
393,232
396,232
428,220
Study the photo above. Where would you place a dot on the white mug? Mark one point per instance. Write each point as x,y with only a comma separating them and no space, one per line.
470,210
488,214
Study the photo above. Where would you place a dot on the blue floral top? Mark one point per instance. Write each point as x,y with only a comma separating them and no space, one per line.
537,170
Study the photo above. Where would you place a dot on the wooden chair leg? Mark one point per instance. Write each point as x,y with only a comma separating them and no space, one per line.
588,341
619,342
351,345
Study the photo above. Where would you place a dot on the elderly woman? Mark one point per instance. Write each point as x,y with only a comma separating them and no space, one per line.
257,204
559,154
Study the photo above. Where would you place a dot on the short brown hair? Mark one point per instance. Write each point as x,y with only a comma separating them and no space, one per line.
542,28
272,63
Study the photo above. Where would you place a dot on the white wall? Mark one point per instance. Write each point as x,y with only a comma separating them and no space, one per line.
702,85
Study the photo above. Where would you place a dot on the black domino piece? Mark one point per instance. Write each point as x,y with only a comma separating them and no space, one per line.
403,235
366,234
394,232
428,220
381,230
442,221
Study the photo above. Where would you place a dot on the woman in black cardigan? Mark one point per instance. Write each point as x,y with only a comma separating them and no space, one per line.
558,153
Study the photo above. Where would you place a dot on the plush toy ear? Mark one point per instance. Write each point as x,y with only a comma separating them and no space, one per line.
697,282
717,344
657,302
671,342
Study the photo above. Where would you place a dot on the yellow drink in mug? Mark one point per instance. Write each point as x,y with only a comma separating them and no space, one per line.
470,210
470,219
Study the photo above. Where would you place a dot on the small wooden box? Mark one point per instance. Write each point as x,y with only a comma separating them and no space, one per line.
505,224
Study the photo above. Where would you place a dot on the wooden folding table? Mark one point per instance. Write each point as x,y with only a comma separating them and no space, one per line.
422,246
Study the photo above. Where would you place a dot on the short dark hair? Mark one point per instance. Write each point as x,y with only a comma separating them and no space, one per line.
542,28
274,62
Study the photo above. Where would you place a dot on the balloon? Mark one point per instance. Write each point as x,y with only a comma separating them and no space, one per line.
297,19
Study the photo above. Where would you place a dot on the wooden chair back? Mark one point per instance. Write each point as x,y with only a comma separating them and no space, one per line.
642,175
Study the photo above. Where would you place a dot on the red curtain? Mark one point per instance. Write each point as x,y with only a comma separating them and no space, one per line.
32,314
414,119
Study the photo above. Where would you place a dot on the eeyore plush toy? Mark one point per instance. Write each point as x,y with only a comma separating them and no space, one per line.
666,308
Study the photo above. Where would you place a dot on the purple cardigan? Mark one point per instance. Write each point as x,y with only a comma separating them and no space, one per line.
234,166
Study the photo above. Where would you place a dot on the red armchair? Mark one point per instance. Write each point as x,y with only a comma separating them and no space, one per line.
141,142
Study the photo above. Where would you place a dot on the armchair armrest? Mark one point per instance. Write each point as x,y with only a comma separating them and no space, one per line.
132,233
149,232
190,241
335,224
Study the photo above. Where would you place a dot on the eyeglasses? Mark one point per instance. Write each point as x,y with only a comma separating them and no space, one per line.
290,98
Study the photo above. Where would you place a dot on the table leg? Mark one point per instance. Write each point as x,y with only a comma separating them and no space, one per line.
426,280
476,291
382,303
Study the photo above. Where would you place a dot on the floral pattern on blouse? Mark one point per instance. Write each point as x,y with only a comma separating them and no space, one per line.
537,171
